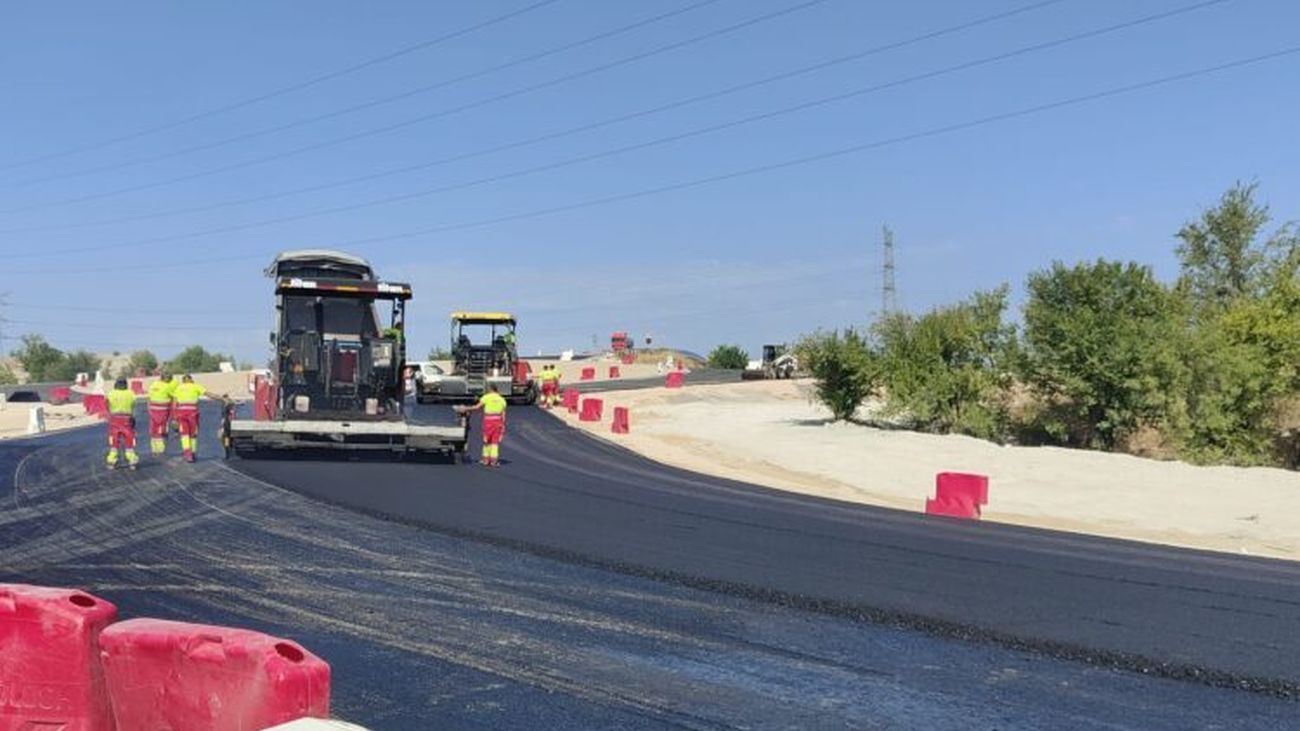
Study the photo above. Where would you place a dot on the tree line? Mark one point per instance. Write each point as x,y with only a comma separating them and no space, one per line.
1106,356
45,363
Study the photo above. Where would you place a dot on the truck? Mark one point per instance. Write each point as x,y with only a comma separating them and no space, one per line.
337,379
483,351
778,362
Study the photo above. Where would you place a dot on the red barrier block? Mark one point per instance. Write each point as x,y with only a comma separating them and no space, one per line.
60,395
588,374
621,425
523,369
266,396
592,409
614,372
50,673
628,359
95,404
570,399
674,379
177,675
952,508
950,485
137,387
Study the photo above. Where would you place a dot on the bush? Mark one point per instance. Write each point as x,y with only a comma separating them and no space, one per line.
195,359
137,360
945,371
843,367
79,361
38,358
728,357
1102,348
7,375
1245,366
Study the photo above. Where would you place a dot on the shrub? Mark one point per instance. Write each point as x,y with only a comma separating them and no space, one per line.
38,358
945,370
843,368
137,360
7,375
1101,346
195,359
728,357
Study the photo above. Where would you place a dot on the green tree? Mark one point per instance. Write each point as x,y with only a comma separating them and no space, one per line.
38,357
7,375
439,354
1221,253
1101,346
945,371
728,357
195,359
843,368
139,359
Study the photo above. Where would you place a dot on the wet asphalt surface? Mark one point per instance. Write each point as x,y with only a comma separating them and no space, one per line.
580,586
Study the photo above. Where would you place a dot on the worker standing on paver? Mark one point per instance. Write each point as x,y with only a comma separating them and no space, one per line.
162,398
493,406
187,395
121,424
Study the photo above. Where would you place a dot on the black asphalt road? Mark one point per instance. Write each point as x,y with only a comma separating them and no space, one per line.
430,629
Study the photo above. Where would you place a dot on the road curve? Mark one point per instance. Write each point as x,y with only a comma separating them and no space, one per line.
1216,618
426,629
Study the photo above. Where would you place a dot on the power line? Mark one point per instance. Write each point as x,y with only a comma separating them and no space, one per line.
605,35
803,106
789,163
297,86
425,117
719,93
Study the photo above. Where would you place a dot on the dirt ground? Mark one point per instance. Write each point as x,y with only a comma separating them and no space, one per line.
770,433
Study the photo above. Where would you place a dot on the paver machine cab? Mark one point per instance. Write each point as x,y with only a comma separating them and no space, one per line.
338,372
483,351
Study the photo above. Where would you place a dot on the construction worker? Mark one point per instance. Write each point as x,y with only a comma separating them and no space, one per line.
555,385
548,385
121,424
162,398
187,395
493,406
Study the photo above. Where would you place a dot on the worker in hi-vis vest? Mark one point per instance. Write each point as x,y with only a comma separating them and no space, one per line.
493,406
162,400
121,424
187,395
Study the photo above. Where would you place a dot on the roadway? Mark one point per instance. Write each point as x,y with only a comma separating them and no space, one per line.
580,586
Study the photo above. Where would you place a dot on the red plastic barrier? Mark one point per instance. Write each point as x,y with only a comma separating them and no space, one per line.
628,359
570,399
95,404
614,372
137,387
50,674
674,379
592,409
265,397
194,677
60,395
523,369
588,374
956,485
620,425
959,508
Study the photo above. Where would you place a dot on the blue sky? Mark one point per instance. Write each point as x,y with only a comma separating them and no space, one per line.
158,240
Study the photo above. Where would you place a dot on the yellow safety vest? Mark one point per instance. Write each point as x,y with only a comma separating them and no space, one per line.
188,393
162,392
121,401
493,404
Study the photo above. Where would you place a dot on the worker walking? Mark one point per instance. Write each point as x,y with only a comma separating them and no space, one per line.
555,387
187,395
548,386
162,398
493,406
121,424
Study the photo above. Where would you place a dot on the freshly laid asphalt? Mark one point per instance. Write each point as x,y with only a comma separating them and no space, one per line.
581,586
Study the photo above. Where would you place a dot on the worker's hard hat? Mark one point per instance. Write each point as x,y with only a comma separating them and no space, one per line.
119,383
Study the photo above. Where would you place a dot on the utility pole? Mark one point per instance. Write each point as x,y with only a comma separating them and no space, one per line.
888,292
